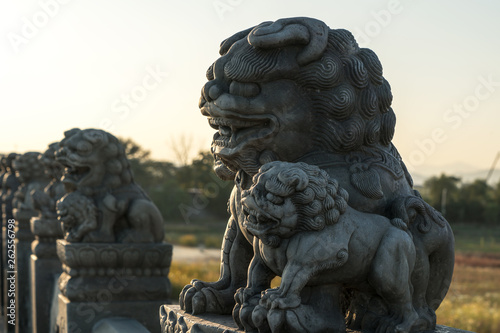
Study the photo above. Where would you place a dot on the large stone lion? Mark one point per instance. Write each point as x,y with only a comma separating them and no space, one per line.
294,90
97,167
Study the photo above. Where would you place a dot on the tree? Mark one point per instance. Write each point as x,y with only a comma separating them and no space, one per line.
442,194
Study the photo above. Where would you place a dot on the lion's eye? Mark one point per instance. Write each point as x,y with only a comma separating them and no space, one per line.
274,199
84,148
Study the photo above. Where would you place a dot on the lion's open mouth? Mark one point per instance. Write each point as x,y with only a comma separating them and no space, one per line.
235,130
75,174
258,222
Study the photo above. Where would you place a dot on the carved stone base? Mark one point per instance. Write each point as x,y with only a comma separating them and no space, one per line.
173,319
80,317
103,280
127,271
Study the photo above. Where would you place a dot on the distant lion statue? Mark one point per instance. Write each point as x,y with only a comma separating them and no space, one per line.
97,167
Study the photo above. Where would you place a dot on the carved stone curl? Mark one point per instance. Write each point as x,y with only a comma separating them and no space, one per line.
295,90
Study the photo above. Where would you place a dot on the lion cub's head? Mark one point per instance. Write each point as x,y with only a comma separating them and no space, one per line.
286,198
78,216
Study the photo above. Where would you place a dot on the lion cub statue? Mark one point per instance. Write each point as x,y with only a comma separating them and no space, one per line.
306,233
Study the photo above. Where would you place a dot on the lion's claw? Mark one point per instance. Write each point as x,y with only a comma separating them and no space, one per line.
186,297
198,303
284,303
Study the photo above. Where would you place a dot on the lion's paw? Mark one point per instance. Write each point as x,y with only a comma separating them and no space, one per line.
200,297
242,312
243,295
397,323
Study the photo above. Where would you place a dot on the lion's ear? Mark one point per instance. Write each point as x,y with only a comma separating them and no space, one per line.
94,136
294,177
71,132
311,33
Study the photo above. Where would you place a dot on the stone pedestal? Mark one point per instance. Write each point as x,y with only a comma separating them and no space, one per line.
45,266
173,319
102,280
24,238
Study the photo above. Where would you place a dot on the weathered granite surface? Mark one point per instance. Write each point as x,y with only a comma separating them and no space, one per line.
175,320
356,246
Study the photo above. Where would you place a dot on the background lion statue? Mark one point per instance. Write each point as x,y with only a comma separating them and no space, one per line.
97,167
295,90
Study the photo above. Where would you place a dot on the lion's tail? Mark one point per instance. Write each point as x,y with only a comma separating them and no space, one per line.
405,209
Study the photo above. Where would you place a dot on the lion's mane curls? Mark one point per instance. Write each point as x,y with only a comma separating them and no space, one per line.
101,148
350,96
319,199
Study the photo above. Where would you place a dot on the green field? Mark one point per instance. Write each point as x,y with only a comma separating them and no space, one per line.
476,238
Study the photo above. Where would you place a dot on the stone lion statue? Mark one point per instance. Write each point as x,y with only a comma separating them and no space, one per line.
295,90
45,200
30,172
308,234
97,167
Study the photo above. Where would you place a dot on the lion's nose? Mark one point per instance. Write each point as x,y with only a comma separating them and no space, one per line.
211,91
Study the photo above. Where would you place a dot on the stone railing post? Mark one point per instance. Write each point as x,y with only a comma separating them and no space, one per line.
45,270
24,238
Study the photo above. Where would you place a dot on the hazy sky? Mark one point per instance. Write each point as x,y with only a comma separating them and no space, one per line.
136,69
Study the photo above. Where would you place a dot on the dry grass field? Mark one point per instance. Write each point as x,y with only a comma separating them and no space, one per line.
473,301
